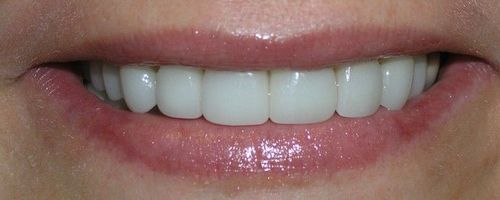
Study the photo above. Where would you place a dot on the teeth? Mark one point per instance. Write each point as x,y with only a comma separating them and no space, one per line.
359,89
419,76
139,87
179,91
302,97
397,76
251,98
235,98
432,69
112,83
96,76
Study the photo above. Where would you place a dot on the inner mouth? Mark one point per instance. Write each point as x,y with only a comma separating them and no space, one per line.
285,96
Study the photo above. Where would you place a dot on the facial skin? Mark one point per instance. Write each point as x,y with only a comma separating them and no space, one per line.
41,158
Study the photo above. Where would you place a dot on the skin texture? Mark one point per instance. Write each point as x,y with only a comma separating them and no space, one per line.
42,159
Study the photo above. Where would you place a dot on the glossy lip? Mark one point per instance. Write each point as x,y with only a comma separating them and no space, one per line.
196,148
224,51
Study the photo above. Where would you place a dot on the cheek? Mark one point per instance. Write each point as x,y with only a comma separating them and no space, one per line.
27,30
468,144
476,22
17,124
474,130
34,132
31,155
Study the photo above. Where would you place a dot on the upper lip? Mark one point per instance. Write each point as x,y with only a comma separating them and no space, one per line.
225,51
234,37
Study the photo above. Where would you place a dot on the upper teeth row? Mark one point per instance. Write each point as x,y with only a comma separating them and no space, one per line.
285,96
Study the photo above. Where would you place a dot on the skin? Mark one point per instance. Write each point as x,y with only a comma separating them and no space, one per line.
42,159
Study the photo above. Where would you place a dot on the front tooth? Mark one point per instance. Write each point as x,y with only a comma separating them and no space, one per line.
397,78
96,76
301,97
179,91
139,87
235,98
418,84
112,83
359,89
432,69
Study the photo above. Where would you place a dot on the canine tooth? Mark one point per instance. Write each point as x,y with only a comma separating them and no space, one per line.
418,84
397,74
139,87
432,69
301,97
112,83
179,91
359,89
96,76
235,98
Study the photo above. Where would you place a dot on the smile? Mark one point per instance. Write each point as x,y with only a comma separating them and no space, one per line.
205,113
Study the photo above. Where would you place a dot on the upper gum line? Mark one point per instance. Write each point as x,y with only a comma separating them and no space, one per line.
286,96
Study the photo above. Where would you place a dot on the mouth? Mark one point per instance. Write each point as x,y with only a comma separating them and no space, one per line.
285,96
229,106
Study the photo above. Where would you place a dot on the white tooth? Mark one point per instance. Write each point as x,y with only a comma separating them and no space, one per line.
96,76
179,91
112,83
432,69
301,97
359,89
397,75
139,87
235,98
418,84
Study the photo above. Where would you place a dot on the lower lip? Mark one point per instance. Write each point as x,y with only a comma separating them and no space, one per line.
197,148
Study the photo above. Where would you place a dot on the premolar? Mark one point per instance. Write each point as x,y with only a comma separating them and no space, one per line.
419,76
397,75
251,98
96,76
432,69
112,82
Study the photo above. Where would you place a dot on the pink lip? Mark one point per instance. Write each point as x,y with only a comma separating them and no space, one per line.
197,148
225,51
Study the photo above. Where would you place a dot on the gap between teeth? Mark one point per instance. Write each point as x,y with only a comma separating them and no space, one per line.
251,98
